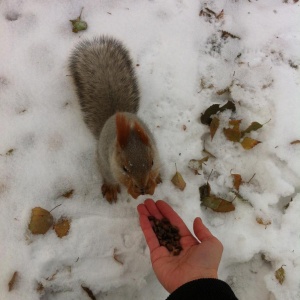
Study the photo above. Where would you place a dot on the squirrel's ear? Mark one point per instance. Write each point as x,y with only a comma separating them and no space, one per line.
123,130
141,133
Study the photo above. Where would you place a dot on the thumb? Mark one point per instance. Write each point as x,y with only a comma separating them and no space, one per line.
201,231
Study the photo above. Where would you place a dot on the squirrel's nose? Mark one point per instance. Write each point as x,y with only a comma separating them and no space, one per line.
142,190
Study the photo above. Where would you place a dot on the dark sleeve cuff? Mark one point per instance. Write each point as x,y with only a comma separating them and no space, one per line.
204,289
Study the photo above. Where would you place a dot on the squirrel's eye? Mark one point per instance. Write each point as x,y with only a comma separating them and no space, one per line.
125,169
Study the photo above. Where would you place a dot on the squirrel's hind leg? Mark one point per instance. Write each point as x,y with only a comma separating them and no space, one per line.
110,192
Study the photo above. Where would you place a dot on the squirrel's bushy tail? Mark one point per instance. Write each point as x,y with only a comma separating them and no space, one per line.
105,80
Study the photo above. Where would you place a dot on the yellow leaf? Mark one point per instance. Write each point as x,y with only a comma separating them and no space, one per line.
261,221
62,227
249,143
41,220
280,275
178,181
232,134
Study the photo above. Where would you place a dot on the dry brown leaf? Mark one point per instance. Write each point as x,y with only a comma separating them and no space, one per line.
12,281
39,287
226,34
178,181
249,143
214,125
62,227
280,275
261,221
220,15
214,109
41,220
10,152
204,191
295,142
221,92
89,292
237,180
217,204
68,194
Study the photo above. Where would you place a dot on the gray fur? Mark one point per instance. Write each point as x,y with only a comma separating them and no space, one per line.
105,80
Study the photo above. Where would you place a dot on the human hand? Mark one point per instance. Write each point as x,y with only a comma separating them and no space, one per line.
198,259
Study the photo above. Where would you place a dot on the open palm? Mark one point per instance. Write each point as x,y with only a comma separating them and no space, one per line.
198,259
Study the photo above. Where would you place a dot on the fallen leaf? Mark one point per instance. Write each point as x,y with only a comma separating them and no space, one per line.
78,24
196,164
41,220
12,281
229,105
178,181
220,15
89,292
214,125
237,180
226,34
261,221
249,143
280,275
232,134
295,142
252,127
221,92
68,194
10,152
217,204
62,227
39,287
204,191
206,116
214,109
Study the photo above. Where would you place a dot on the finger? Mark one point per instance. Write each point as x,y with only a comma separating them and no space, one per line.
151,207
201,231
149,234
142,210
167,211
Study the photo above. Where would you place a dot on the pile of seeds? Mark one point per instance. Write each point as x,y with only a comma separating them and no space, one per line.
167,234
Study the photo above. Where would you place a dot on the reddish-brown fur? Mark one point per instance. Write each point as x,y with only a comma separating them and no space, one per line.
141,133
123,130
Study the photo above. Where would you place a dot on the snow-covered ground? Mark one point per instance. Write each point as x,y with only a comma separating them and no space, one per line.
182,62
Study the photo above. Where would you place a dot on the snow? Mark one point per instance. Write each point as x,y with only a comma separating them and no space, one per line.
54,152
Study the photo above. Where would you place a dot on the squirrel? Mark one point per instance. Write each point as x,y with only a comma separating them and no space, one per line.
109,97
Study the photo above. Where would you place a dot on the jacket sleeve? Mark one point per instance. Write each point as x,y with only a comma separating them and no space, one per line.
203,289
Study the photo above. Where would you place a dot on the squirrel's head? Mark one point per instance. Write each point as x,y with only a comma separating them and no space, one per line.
135,162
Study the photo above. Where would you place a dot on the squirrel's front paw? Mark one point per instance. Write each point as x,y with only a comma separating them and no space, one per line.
110,192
